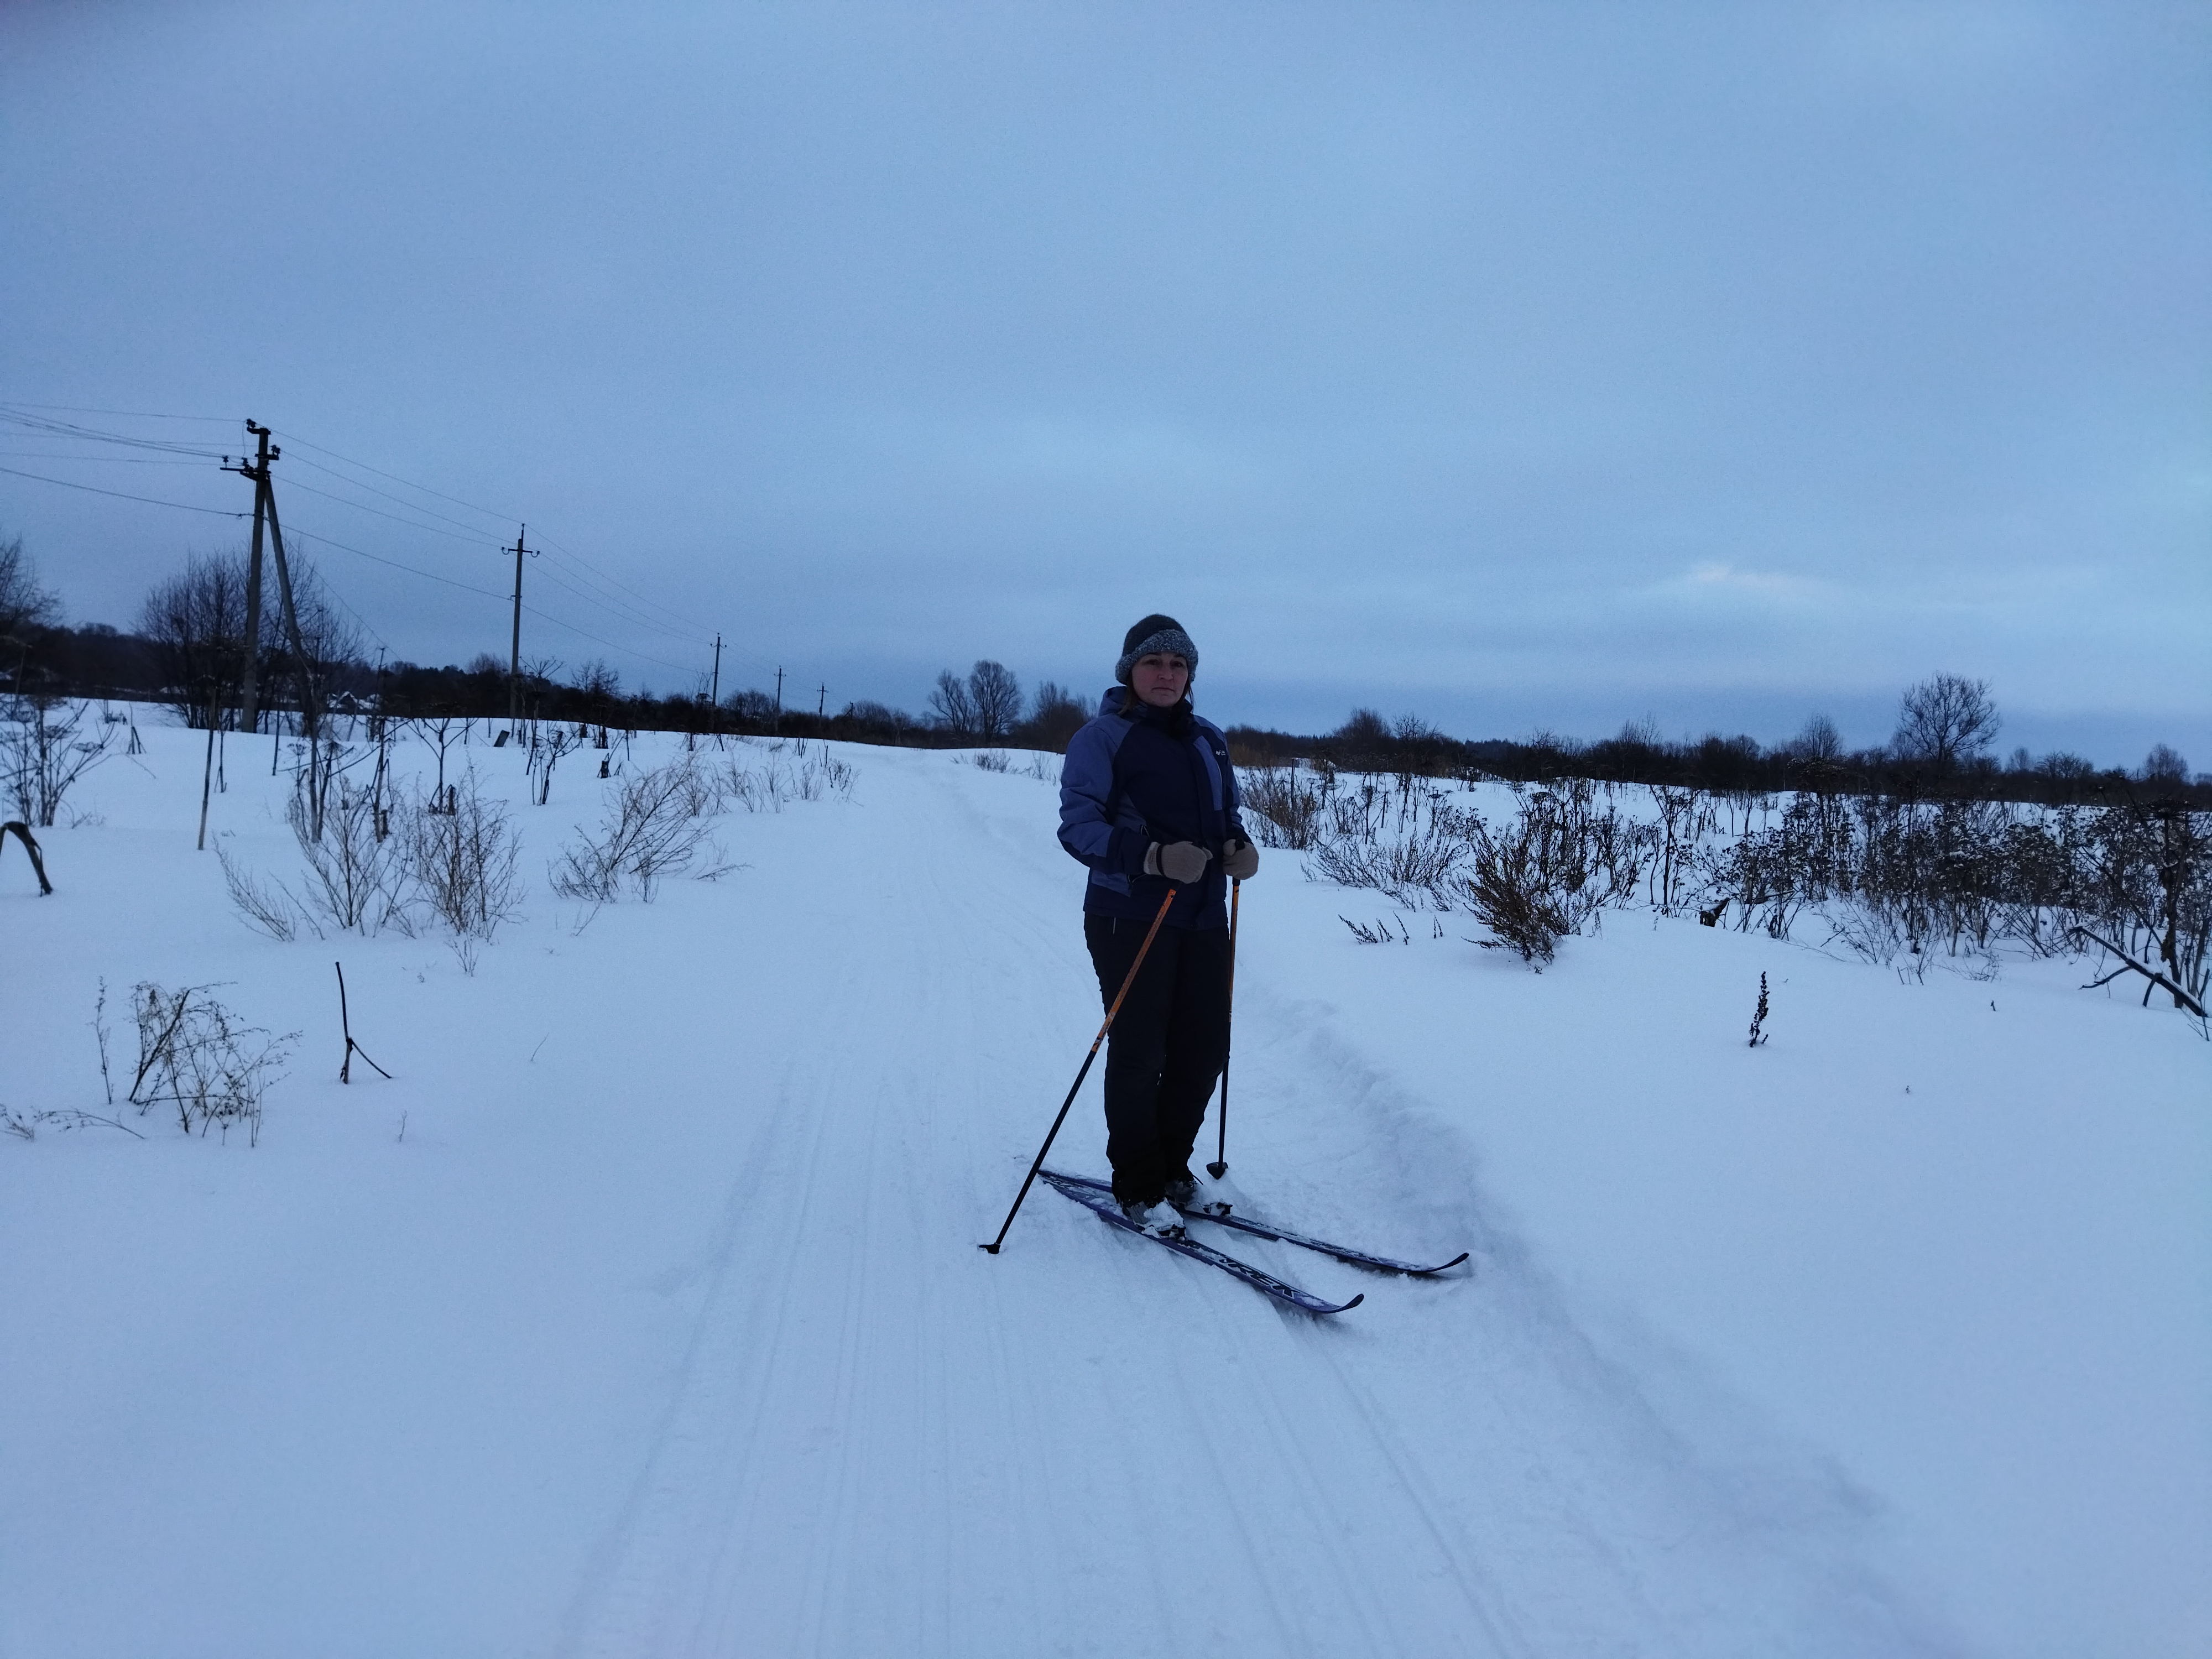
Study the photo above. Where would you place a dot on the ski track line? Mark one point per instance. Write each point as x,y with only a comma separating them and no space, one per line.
847,1248
880,1440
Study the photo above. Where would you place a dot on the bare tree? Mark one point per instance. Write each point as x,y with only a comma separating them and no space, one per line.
41,754
1945,720
996,696
196,621
2164,765
1056,715
23,604
1819,741
328,636
951,705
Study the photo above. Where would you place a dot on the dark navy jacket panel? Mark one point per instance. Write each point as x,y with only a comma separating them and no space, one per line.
1133,776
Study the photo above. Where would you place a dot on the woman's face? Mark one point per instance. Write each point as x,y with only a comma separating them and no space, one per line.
1160,678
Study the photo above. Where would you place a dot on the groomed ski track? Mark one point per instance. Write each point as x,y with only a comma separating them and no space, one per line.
873,1438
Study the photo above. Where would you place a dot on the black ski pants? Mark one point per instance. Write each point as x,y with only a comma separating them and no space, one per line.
1168,1046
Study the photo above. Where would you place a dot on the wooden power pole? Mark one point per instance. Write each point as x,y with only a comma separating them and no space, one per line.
514,651
264,512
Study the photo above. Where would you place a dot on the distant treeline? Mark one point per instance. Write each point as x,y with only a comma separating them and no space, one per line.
189,651
1937,753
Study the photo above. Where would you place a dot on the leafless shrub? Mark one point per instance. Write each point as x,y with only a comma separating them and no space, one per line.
657,826
355,877
41,754
808,777
1405,843
460,855
1282,805
196,1057
1380,934
989,760
264,903
26,1126
1513,894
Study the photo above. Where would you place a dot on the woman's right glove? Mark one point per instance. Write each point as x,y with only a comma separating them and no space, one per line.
1181,862
1240,861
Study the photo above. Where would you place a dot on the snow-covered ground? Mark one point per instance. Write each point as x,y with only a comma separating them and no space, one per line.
640,1312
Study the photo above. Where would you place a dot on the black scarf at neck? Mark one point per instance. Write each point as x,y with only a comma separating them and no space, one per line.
1174,720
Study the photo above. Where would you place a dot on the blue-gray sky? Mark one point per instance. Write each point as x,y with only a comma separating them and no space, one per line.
1521,366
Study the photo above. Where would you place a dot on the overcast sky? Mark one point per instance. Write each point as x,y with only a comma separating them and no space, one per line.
1521,366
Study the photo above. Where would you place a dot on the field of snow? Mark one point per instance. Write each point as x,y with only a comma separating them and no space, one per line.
640,1313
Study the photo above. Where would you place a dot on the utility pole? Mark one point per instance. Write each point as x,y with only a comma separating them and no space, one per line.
779,691
821,701
264,512
715,694
250,714
514,652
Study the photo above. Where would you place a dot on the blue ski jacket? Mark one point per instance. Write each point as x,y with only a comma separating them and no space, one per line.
1134,775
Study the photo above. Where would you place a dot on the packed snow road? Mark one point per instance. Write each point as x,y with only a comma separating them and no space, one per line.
642,1314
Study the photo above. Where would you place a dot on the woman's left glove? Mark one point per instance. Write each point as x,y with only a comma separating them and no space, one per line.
1240,861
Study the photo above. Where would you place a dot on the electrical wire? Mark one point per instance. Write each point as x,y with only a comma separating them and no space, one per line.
293,438
94,434
105,461
123,495
577,558
412,570
618,608
627,603
362,506
681,668
129,413
386,494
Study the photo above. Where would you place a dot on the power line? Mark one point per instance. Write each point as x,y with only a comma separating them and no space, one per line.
92,435
626,603
123,495
578,558
386,494
396,478
378,558
363,507
681,668
560,549
623,610
105,461
129,413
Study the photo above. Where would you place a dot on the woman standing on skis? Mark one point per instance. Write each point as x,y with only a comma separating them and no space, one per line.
1148,802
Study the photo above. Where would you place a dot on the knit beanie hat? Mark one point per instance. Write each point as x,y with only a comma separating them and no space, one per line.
1155,633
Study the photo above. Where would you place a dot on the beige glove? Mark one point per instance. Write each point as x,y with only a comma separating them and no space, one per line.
1240,861
1181,861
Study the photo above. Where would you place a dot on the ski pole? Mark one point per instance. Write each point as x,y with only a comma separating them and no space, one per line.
1219,1167
993,1247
